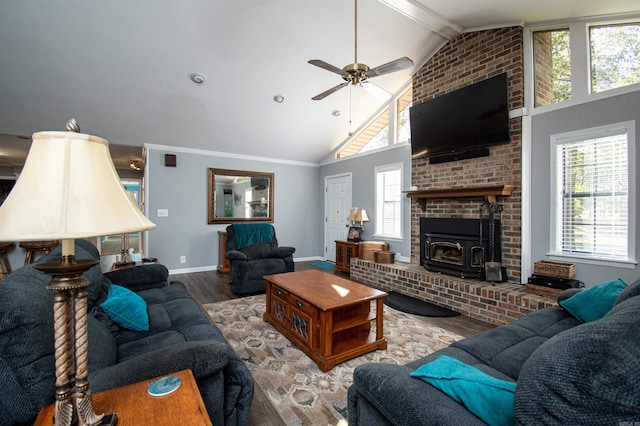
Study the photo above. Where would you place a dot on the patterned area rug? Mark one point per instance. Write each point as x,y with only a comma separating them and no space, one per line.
298,390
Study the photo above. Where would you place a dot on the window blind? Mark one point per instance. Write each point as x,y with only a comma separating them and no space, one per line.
594,183
388,195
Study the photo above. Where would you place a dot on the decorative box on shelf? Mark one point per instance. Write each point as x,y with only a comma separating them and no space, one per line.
554,269
369,248
384,257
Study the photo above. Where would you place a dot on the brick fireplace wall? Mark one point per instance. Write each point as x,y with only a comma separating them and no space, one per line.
467,59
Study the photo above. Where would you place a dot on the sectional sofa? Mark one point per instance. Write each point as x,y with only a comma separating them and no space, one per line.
179,336
578,363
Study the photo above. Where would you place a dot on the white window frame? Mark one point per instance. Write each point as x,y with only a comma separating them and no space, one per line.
558,140
379,216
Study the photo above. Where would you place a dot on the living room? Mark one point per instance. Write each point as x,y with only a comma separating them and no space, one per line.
186,243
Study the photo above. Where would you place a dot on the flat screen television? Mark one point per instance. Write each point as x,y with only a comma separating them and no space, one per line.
461,124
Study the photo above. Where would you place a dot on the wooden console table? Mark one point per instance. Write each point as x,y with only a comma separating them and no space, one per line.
329,318
345,250
32,247
134,405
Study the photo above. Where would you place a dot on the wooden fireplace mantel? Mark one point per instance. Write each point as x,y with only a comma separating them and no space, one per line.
490,193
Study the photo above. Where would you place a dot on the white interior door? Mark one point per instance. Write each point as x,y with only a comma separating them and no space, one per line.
337,206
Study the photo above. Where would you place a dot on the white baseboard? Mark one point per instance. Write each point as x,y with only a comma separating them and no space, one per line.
190,270
215,267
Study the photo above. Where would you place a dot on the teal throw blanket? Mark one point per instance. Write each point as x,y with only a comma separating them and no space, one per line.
251,233
485,396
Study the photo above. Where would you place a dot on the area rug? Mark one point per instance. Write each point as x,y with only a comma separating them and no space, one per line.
324,265
297,389
410,305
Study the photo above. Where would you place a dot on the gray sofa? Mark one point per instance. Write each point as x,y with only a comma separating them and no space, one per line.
566,372
180,336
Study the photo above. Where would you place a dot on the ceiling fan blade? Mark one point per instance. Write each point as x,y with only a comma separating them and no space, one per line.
328,67
389,67
330,91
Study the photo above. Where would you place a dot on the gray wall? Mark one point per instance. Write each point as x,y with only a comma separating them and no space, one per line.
362,169
592,114
183,191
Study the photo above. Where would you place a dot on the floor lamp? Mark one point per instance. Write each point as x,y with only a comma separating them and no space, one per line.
69,189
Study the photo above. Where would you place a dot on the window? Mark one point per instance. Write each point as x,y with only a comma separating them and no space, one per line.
577,60
552,66
615,56
388,201
404,103
376,134
592,210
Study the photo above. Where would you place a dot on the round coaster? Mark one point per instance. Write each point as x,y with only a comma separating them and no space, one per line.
164,386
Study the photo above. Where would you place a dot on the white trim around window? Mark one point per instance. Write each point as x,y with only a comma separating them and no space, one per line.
593,209
388,197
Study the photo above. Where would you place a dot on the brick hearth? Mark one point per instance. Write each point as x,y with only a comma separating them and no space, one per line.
499,304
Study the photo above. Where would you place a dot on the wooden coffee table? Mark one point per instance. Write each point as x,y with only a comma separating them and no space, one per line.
328,317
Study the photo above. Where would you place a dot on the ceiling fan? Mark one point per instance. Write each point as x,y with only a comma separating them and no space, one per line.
357,73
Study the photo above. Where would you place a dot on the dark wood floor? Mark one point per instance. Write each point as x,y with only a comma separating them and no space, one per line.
211,287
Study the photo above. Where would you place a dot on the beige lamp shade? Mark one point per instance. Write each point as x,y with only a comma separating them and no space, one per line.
362,216
353,214
68,188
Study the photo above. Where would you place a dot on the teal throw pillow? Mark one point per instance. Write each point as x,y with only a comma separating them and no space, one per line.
593,303
485,396
126,308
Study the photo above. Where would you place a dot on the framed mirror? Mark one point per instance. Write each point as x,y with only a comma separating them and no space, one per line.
239,196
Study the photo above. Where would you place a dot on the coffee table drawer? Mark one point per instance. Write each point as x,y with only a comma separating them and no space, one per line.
302,305
294,301
278,292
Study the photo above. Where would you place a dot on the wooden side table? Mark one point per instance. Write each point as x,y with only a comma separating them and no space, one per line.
32,247
4,246
115,266
345,250
223,262
134,406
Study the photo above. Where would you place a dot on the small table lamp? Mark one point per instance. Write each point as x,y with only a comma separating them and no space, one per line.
362,217
69,189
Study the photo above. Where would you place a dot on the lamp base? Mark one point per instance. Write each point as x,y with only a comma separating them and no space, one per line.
107,420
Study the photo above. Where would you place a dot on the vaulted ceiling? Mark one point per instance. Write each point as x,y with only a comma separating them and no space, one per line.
122,68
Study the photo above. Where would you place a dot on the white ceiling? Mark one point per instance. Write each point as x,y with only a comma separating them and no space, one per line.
121,68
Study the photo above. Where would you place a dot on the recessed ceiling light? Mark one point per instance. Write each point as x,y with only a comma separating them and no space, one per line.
197,78
278,98
336,113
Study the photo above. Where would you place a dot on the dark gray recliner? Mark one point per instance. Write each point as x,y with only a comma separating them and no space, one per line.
253,252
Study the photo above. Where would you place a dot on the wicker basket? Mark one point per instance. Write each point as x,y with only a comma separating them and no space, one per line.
539,290
384,257
554,269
